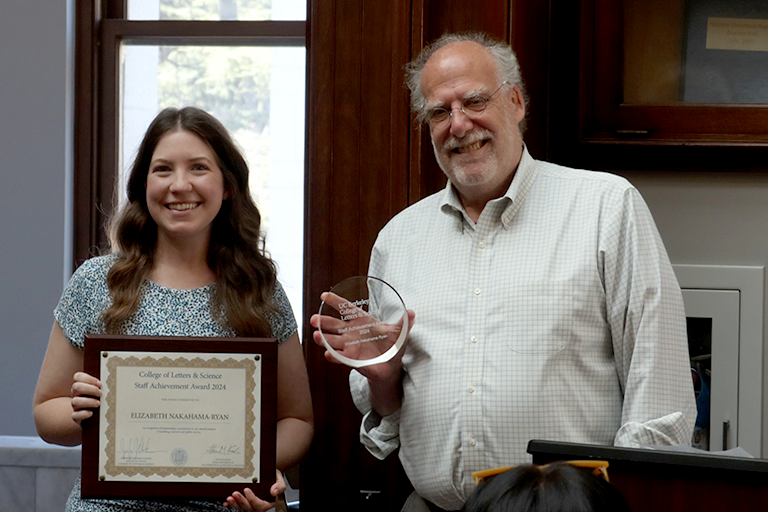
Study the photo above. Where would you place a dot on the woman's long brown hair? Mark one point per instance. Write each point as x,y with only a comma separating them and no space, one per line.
245,275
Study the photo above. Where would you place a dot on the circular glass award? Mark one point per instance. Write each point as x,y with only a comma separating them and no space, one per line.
363,321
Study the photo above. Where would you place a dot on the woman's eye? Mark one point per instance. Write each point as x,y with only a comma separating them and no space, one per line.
160,169
199,167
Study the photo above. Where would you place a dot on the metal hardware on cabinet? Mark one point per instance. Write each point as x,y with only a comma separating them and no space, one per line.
368,494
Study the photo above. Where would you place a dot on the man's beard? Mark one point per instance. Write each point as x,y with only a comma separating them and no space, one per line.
467,174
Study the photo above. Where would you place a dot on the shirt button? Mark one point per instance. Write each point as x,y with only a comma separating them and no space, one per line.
477,291
481,245
472,441
471,389
473,339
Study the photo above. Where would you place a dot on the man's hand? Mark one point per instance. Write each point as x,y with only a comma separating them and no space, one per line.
355,334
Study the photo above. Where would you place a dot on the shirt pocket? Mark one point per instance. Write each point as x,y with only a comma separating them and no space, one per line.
540,316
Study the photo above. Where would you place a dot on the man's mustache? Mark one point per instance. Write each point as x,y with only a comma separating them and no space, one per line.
470,138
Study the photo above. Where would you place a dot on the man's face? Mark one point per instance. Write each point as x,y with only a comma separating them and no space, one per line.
478,155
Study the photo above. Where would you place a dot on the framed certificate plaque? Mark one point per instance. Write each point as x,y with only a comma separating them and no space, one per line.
191,418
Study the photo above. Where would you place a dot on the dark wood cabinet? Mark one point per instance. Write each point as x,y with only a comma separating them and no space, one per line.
623,82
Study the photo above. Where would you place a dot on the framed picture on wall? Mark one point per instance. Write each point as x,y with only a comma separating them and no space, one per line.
726,51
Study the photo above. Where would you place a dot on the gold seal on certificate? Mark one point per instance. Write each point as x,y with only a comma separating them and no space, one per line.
363,321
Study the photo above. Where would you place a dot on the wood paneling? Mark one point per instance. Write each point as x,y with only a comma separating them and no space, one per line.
357,179
441,16
529,37
431,19
86,228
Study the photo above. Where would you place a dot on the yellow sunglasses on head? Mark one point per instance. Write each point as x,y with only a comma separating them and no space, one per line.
600,468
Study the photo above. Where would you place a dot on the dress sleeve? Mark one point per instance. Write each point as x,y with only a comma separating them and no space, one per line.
647,318
85,297
284,322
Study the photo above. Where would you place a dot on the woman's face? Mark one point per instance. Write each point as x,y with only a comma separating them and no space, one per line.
185,187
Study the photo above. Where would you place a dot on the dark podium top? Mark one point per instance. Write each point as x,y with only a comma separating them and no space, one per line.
661,481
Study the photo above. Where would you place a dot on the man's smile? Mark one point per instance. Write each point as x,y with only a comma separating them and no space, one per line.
470,147
471,142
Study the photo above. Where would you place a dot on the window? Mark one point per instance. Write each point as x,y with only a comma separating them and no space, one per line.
232,58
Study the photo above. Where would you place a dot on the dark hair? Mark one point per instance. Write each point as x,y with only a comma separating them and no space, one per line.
245,275
557,487
503,56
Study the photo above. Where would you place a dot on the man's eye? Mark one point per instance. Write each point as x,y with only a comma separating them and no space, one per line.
438,114
476,104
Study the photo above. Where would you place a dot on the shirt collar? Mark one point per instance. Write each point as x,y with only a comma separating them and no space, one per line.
525,175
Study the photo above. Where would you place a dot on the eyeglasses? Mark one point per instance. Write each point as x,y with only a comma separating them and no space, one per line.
471,107
600,468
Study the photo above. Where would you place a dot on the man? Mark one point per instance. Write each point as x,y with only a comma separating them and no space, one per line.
546,306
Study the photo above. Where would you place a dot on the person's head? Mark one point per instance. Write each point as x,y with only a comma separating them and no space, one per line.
180,133
214,185
557,487
478,151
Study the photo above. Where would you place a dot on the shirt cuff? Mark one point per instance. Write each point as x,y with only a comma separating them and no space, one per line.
667,430
361,394
380,435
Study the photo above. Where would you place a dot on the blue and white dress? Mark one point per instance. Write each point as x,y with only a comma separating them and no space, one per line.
161,312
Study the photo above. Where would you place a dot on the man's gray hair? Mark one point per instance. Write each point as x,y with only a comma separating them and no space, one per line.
503,56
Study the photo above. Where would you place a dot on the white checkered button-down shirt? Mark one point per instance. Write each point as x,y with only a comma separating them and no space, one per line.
556,316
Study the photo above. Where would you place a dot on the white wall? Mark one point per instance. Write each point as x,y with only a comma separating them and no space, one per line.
33,168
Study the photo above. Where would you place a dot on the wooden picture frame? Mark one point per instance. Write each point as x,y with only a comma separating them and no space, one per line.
159,443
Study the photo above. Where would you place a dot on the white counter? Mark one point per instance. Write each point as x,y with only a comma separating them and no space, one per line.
35,475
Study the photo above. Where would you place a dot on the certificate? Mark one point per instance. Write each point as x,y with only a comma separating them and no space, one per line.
180,417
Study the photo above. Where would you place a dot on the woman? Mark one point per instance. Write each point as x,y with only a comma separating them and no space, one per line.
187,260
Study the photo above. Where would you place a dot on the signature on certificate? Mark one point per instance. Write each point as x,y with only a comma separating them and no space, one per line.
134,447
222,449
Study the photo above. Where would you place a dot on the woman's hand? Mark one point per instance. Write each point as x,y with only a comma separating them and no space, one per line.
248,501
85,393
